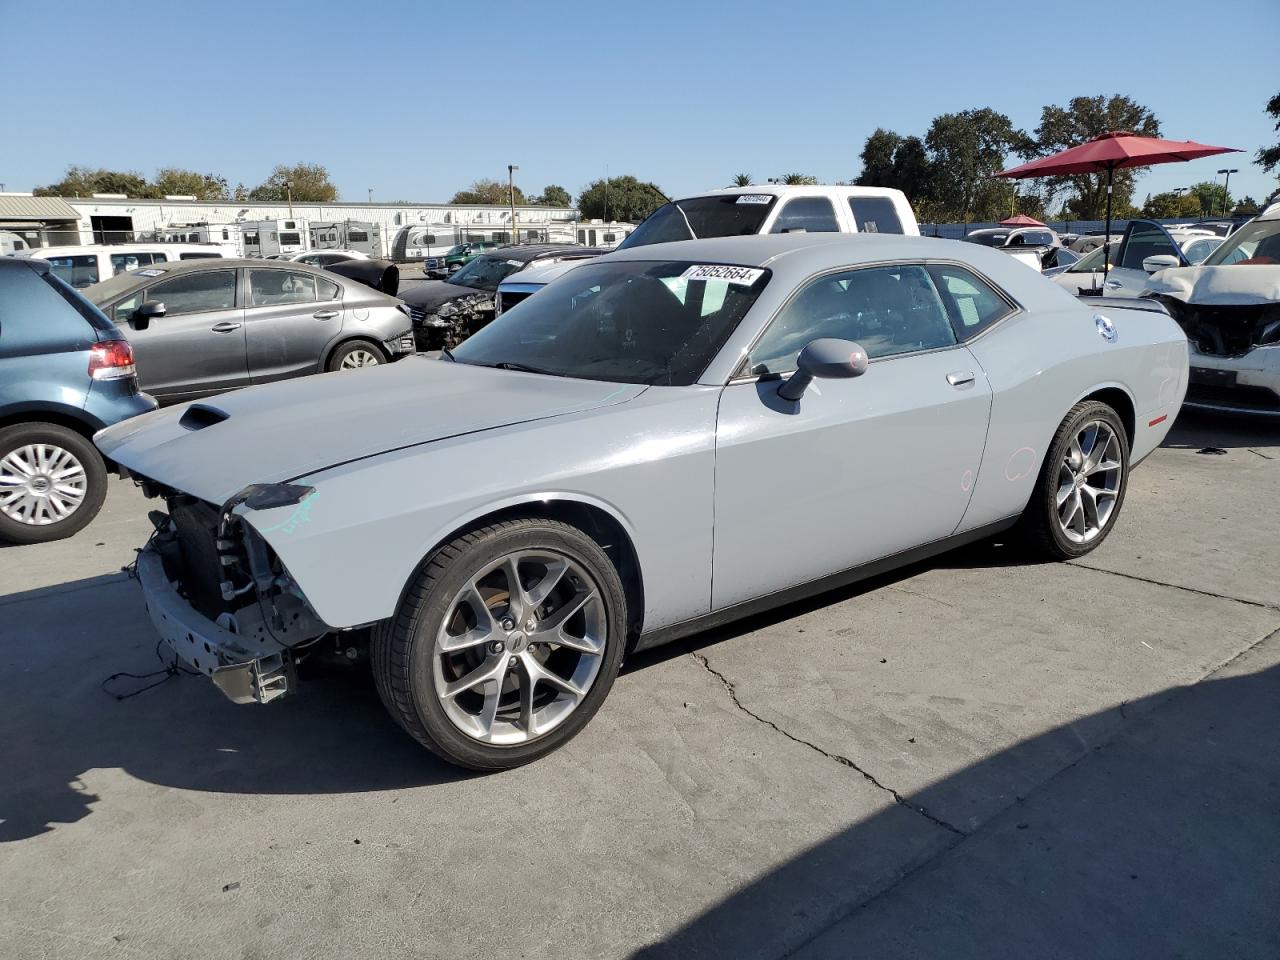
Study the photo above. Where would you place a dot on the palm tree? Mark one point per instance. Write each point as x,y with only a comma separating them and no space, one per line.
802,179
742,180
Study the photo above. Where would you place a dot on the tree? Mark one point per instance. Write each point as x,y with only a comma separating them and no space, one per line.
966,149
240,193
878,159
1168,205
1248,207
85,181
203,186
553,196
1211,198
487,191
1083,119
742,180
626,199
308,183
913,171
1269,157
799,179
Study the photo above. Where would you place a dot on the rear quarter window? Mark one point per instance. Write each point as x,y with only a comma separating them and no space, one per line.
875,215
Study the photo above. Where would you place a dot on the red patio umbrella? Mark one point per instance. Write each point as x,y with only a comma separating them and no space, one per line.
1112,151
1021,220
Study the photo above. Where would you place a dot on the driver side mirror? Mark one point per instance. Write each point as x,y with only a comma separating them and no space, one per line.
828,359
148,311
1161,261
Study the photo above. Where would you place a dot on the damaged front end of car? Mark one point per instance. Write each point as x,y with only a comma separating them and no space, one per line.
220,598
453,321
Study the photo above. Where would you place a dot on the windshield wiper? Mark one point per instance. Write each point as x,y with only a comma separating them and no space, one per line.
522,367
448,354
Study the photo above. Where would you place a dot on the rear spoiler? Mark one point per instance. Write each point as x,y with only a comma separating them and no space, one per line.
1124,303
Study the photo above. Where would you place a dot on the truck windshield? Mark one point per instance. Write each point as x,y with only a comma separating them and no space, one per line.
484,273
632,321
730,215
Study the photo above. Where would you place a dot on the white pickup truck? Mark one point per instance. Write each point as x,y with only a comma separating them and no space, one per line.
735,211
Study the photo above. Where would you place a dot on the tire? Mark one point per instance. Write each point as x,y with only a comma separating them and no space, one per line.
77,479
1044,527
356,353
495,724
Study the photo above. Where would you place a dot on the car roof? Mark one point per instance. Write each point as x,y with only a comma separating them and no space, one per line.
115,247
123,282
24,263
783,189
838,248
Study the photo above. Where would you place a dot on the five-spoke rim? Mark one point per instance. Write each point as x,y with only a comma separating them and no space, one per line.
359,357
41,484
1089,482
519,647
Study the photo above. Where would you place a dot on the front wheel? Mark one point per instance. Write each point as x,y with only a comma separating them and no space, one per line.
52,482
1081,486
505,645
358,353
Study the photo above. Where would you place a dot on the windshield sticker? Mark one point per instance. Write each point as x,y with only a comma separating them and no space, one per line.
514,263
745,276
147,273
755,198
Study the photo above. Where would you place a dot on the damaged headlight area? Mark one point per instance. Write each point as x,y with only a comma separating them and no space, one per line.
453,321
222,600
1226,330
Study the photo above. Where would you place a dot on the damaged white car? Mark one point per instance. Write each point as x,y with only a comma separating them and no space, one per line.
665,438
1229,307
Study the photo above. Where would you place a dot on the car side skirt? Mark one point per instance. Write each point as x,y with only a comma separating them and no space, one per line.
675,631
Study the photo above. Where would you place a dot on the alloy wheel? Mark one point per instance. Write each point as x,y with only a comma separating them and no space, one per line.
359,357
40,484
519,647
1089,479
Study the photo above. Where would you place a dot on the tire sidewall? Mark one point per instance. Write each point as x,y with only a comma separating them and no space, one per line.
95,471
1095,410
343,349
549,536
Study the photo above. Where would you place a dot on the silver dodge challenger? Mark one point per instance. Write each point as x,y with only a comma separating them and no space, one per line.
663,439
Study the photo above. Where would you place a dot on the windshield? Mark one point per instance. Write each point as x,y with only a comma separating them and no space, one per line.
1088,263
730,215
485,273
1256,243
456,249
650,322
987,239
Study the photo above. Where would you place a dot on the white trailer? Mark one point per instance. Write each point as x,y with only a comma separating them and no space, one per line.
364,236
272,238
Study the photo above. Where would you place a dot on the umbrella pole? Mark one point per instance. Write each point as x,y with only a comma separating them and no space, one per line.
1106,242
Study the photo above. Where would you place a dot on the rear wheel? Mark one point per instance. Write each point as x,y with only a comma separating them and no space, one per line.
358,353
505,645
52,482
1081,486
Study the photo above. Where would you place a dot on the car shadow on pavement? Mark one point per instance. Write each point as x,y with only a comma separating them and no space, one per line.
1163,841
60,644
1204,430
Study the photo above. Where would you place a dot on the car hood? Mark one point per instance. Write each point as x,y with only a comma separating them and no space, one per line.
214,448
432,294
1225,286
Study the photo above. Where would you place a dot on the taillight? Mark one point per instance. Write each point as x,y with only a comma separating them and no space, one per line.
112,360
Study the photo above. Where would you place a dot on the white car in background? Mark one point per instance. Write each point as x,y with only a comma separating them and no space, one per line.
83,266
1146,247
1086,273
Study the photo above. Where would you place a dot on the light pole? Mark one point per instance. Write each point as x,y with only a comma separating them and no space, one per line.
371,194
511,195
1226,189
288,189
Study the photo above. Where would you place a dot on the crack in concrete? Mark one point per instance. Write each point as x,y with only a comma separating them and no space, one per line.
1264,456
1176,586
843,761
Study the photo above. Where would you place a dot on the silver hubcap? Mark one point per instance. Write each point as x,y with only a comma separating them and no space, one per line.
1089,482
358,358
520,647
41,484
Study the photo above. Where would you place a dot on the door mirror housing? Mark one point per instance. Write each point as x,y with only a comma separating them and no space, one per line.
828,359
148,311
1161,261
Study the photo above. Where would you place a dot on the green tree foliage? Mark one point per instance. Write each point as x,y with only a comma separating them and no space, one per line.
1269,157
487,191
309,183
203,186
1082,119
742,180
1170,205
554,196
240,193
1248,207
84,181
1211,199
627,199
966,149
878,160
799,179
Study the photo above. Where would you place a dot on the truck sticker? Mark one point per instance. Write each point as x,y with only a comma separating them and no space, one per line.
755,198
745,276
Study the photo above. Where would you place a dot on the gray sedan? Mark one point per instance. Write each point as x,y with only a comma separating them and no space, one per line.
660,440
206,326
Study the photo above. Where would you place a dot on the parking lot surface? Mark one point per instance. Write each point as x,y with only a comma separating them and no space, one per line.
974,757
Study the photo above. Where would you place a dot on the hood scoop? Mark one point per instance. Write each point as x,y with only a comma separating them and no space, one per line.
201,415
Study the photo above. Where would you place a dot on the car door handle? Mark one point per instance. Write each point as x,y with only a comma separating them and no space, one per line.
224,327
325,314
1113,284
961,378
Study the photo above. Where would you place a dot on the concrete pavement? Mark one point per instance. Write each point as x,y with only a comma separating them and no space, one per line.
968,758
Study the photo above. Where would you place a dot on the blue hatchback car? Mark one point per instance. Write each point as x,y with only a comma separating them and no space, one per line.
65,373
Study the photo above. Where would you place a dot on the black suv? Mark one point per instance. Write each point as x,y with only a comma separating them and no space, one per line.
65,373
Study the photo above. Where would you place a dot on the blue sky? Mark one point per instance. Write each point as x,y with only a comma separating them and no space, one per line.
416,100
